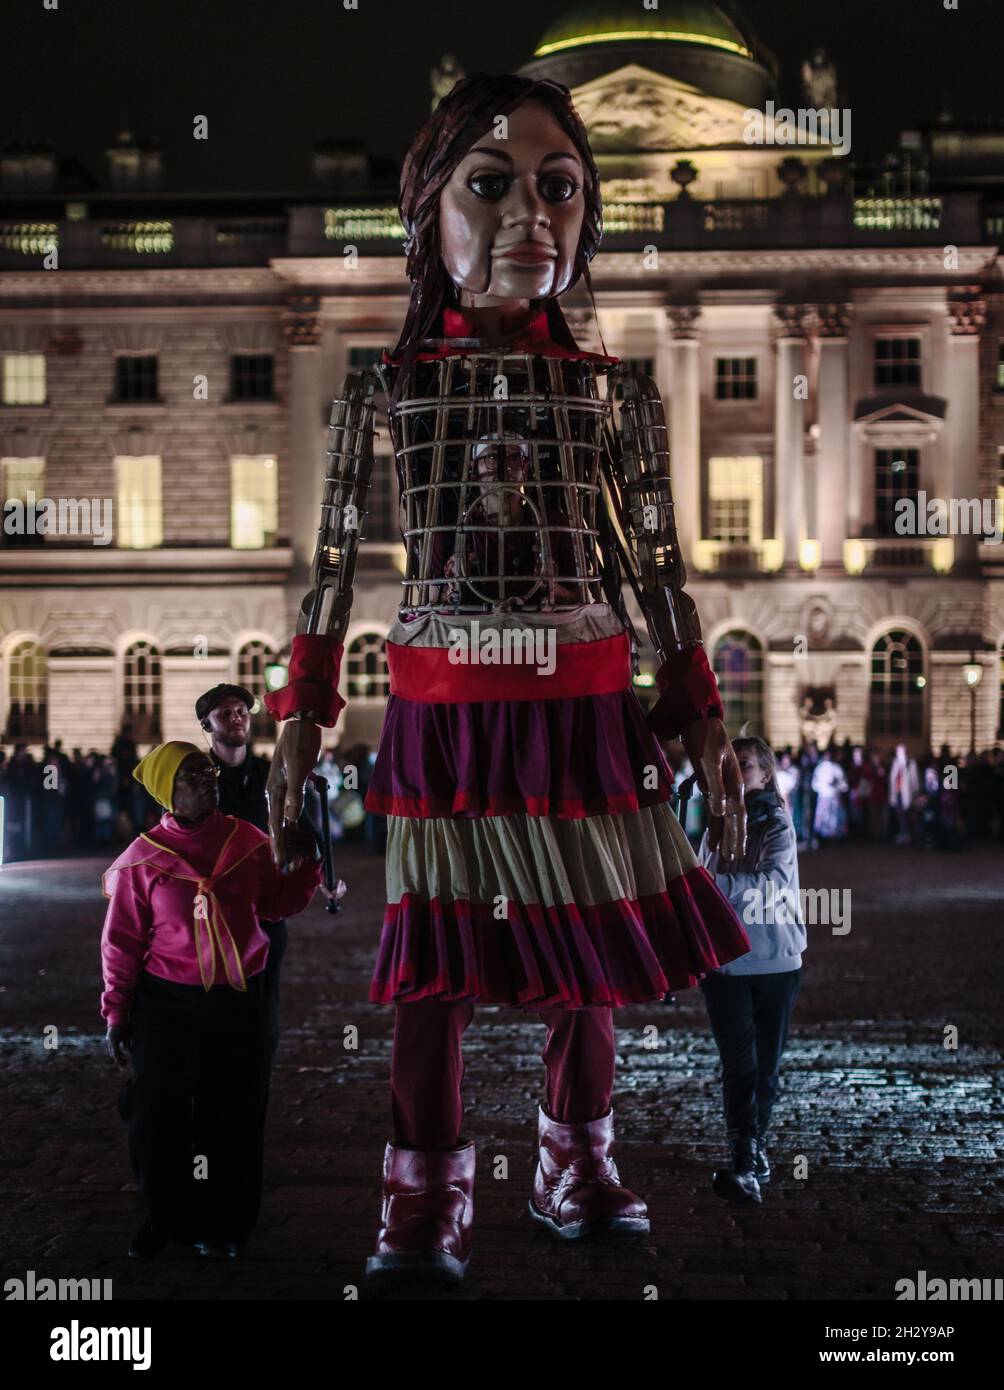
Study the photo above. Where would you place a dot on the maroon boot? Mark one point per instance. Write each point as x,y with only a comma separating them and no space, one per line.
427,1215
577,1191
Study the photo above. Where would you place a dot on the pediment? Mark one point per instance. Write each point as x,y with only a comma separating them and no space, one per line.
634,108
879,410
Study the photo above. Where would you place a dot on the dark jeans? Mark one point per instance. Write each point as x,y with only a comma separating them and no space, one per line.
278,936
427,1069
749,1017
199,1091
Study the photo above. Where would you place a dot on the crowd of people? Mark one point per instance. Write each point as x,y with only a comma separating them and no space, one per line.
846,791
66,803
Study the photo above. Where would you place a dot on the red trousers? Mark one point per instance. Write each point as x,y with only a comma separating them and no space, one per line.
427,1069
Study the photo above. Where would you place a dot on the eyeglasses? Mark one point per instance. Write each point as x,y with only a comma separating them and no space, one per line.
201,774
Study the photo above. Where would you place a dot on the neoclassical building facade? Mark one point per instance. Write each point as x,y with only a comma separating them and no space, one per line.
826,348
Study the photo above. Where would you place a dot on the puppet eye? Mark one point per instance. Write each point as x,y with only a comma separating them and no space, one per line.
491,187
558,188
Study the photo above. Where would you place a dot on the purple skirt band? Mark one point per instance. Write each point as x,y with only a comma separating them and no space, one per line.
564,758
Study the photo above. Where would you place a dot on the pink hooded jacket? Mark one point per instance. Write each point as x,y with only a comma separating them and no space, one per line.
185,902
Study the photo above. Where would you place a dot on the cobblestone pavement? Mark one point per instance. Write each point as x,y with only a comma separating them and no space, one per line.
902,1136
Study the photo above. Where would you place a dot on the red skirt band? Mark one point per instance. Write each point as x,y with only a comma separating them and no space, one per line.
429,675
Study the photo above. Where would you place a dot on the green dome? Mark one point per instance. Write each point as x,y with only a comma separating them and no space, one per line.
675,21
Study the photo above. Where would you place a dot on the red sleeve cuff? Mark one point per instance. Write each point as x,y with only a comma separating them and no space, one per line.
314,664
688,691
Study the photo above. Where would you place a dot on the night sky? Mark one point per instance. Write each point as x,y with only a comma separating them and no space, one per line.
275,77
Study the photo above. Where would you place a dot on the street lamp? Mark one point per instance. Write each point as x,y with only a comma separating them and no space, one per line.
276,675
972,674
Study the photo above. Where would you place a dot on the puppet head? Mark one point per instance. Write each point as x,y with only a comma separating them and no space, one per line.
513,218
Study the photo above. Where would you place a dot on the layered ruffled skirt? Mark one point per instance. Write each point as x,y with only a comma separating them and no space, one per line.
532,857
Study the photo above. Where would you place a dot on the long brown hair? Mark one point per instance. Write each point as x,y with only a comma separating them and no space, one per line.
764,755
464,114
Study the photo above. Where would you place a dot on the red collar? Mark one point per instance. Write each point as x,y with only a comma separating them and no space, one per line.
534,336
458,324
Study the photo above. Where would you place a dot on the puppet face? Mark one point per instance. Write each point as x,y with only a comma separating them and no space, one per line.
511,215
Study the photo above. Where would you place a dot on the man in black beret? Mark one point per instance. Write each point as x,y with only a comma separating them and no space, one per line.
225,716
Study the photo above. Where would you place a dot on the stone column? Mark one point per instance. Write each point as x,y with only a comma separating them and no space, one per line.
832,472
684,411
966,317
789,429
305,475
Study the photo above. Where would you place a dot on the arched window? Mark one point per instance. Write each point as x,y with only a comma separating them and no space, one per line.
252,659
737,661
141,707
896,694
366,670
27,719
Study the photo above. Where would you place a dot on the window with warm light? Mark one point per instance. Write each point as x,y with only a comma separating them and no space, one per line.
735,500
138,501
23,480
254,501
27,712
24,378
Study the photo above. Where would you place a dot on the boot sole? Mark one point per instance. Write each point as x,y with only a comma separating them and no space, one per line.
729,1192
583,1230
431,1265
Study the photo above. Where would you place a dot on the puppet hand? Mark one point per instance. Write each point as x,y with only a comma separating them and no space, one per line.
300,845
721,784
294,759
118,1041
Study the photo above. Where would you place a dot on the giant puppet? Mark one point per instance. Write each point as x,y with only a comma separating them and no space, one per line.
533,859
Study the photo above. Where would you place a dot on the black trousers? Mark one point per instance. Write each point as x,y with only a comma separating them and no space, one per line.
749,1017
195,1106
278,936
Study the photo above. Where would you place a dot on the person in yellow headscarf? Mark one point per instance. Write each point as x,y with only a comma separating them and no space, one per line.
183,958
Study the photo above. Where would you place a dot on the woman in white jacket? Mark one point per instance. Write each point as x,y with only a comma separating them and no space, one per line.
904,786
749,1001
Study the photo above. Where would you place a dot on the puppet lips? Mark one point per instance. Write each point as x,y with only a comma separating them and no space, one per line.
529,252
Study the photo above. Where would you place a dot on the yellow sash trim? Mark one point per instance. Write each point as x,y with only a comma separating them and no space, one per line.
209,930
